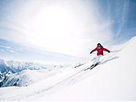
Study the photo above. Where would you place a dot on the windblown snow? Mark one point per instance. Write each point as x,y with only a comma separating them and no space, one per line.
113,79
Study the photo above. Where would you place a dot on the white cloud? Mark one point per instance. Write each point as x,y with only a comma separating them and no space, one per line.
70,27
124,15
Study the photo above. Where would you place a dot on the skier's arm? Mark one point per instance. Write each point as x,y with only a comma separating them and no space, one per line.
93,50
106,50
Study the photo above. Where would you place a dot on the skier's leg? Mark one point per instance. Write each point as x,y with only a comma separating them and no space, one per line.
97,60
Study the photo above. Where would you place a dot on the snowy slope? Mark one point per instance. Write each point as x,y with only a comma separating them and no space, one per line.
113,79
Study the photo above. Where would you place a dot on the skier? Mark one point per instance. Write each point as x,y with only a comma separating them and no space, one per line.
99,50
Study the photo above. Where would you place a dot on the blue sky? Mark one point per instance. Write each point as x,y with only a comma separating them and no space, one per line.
67,26
122,12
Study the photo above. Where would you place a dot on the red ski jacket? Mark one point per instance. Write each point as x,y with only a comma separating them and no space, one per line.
100,51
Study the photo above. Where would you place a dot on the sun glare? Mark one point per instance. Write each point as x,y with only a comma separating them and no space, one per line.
51,24
65,28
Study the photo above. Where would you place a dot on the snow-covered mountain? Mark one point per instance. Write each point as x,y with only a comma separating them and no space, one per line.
15,73
113,79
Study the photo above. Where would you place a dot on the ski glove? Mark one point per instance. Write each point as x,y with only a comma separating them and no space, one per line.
108,51
90,52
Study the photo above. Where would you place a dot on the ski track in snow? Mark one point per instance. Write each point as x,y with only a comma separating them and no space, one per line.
70,80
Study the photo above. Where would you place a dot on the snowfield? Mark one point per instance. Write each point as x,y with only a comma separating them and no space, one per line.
113,79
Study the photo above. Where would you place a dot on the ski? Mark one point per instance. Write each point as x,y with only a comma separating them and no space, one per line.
78,65
92,66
